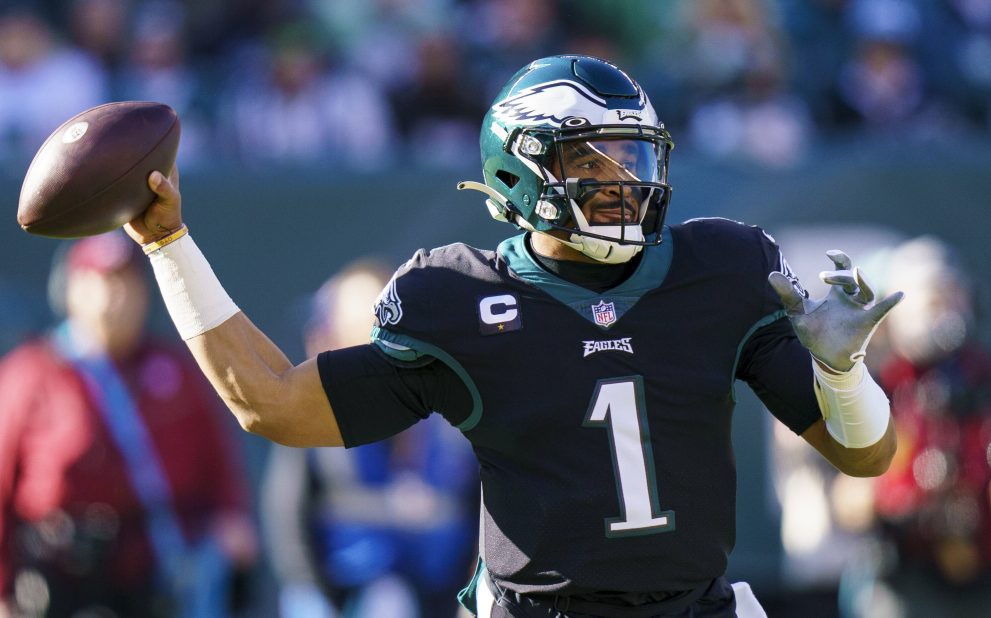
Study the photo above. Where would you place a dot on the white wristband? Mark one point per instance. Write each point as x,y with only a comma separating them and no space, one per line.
191,291
855,408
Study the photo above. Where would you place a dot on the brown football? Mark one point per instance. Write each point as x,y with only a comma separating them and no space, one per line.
90,175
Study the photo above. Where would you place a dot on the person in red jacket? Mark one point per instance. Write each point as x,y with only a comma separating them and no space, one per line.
121,492
933,505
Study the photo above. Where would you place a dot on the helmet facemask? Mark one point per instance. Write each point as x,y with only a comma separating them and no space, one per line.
606,186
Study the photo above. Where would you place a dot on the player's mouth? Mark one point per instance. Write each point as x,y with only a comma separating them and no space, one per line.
614,214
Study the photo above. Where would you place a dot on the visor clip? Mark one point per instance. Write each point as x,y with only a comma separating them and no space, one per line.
573,188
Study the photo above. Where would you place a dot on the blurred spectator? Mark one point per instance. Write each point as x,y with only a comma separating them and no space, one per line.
120,494
378,38
438,112
883,87
726,39
737,74
820,41
41,84
385,529
156,69
300,111
98,28
958,54
503,35
760,121
934,503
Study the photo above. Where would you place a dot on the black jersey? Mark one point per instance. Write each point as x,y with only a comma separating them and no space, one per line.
601,421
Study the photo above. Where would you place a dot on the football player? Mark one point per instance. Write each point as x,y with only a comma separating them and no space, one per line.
590,360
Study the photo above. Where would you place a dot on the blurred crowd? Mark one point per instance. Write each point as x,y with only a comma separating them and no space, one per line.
123,492
362,84
916,541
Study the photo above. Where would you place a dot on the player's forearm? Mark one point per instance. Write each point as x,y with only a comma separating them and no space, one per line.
267,394
869,461
857,435
245,368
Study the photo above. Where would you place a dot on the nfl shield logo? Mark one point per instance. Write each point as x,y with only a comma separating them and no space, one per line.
604,313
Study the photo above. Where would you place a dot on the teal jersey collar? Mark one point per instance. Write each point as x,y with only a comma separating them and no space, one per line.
602,309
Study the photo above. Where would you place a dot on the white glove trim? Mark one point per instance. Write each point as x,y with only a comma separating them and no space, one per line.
192,293
855,408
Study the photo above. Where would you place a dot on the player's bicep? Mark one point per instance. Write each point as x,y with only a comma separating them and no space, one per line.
308,419
268,395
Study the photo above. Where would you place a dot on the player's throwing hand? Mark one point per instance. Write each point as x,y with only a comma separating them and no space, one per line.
164,215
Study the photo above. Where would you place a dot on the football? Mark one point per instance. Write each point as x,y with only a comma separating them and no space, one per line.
90,175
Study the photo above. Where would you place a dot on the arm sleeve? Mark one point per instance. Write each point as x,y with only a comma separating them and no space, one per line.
375,396
779,370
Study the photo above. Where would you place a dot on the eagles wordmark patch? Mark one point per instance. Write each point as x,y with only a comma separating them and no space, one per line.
624,344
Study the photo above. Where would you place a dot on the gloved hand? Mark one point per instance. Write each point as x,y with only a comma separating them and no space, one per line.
836,328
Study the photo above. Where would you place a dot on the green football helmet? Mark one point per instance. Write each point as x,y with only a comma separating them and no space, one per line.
572,143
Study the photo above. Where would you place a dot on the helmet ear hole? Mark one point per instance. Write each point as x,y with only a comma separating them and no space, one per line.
507,178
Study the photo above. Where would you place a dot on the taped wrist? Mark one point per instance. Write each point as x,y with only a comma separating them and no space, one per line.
192,293
855,408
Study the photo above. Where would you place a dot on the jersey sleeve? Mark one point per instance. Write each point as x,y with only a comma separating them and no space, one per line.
772,360
414,319
779,370
405,374
775,261
374,397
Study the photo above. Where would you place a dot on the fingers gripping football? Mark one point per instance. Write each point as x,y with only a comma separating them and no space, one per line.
164,215
836,328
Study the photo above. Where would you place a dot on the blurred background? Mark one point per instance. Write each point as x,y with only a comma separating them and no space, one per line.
316,132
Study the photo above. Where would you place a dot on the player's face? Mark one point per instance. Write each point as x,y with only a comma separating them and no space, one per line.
618,160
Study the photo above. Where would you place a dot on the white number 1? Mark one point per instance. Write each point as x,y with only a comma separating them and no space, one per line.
618,405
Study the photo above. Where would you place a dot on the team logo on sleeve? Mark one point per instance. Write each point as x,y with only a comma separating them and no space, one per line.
785,269
604,313
498,314
388,307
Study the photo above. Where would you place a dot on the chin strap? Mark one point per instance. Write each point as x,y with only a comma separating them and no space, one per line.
601,250
605,251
